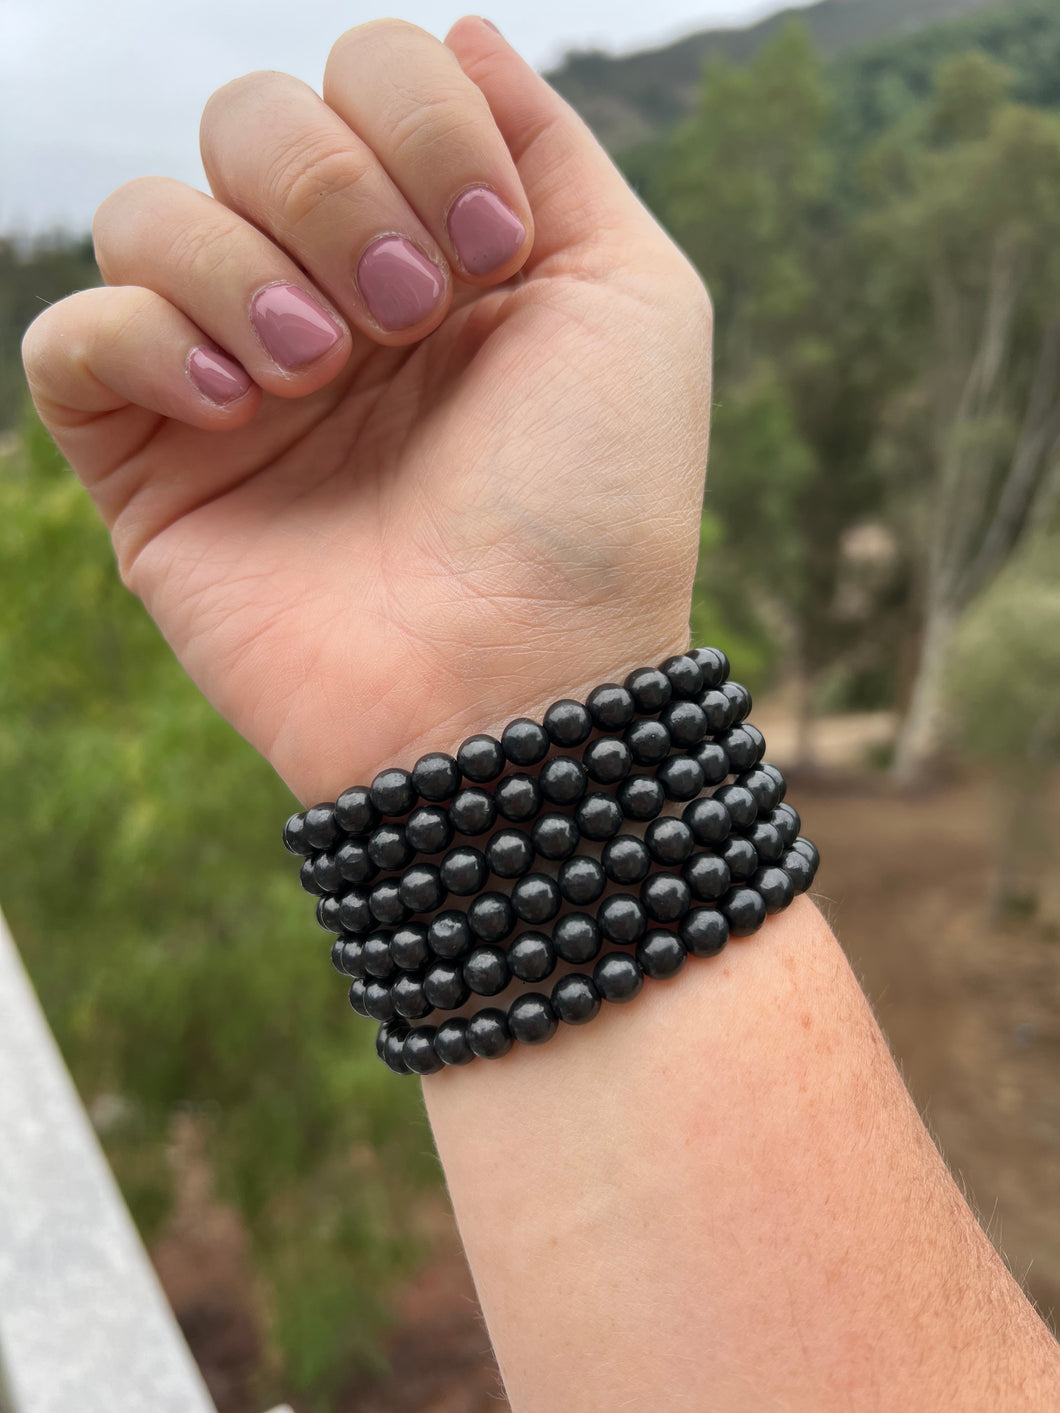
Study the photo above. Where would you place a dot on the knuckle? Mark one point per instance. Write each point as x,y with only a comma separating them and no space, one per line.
438,121
386,31
120,217
301,178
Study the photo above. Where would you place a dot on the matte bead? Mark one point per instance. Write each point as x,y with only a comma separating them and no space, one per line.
444,986
617,977
429,830
684,673
472,812
785,820
741,749
648,741
449,934
354,811
421,888
536,899
320,829
353,862
708,820
739,699
740,803
294,840
555,836
510,853
745,910
308,880
576,938
681,777
782,784
704,931
641,797
376,956
377,998
686,722
524,742
626,859
488,1034
518,797
582,880
707,876
598,816
798,868
347,955
807,847
481,758
575,999
531,957
329,914
669,840
392,791
408,946
568,723
388,847
531,1019
610,706
464,871
713,762
649,688
408,997
661,954
450,1042
356,994
718,710
775,887
386,903
665,897
436,776
563,781
607,760
355,912
486,971
394,1047
491,917
622,919
739,853
419,1051
767,841
762,786
713,664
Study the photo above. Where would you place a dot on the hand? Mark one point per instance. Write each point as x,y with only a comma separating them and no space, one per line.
398,497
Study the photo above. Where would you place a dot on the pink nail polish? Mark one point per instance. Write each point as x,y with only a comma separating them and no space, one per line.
485,231
399,284
294,328
217,376
492,26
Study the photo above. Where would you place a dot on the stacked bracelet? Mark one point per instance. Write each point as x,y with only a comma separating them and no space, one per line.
596,827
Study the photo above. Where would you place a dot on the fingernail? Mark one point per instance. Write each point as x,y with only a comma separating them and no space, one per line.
485,231
399,284
217,376
492,26
293,327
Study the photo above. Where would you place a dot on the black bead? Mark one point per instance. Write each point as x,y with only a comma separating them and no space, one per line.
421,888
767,841
307,878
394,1046
377,999
708,820
660,954
355,912
510,853
740,854
320,829
348,956
665,897
326,873
684,673
518,797
419,1052
386,903
393,792
568,723
357,994
713,762
491,917
718,710
336,954
685,722
809,849
713,664
649,688
607,760
555,836
622,919
444,986
798,868
610,706
741,749
648,741
626,859
617,977
449,934
486,971
536,898
776,888
376,956
739,699
681,777
472,812
757,737
641,797
450,1042
388,847
669,840
525,742
354,811
354,863
408,946
704,931
745,910
481,758
740,803
531,957
294,840
785,820
531,1019
429,830
582,880
762,786
436,776
575,999
464,871
576,938
329,914
598,816
707,876
563,781
408,997
488,1034
782,784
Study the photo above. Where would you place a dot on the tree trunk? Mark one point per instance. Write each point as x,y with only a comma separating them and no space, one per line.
919,736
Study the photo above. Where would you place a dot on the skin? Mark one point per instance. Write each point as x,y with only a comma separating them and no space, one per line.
720,1197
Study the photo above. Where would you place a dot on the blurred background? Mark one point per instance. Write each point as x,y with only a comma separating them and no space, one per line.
871,189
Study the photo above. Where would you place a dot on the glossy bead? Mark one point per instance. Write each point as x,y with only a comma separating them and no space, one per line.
713,664
531,1019
665,897
568,723
762,786
776,888
421,888
661,954
641,797
767,841
419,1051
518,797
386,903
785,820
354,911
350,960
377,999
444,986
354,811
610,706
481,758
394,1046
408,946
408,997
510,853
669,841
718,710
472,812
809,849
294,840
582,880
354,863
704,932
555,836
740,803
525,742
531,957
708,820
575,999
356,994
622,919
536,899
307,878
757,737
336,954
429,830
464,871
681,777
436,776
376,956
649,688
598,816
626,859
326,874
707,877
488,1034
486,971
329,914
745,910
684,673
739,853
491,917
686,723
741,749
713,762
576,938
392,791
798,868
617,977
648,741
320,829
777,774
739,699
450,1042
388,847
449,934
563,781
607,760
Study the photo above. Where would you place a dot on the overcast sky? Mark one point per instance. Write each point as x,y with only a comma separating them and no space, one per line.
93,92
